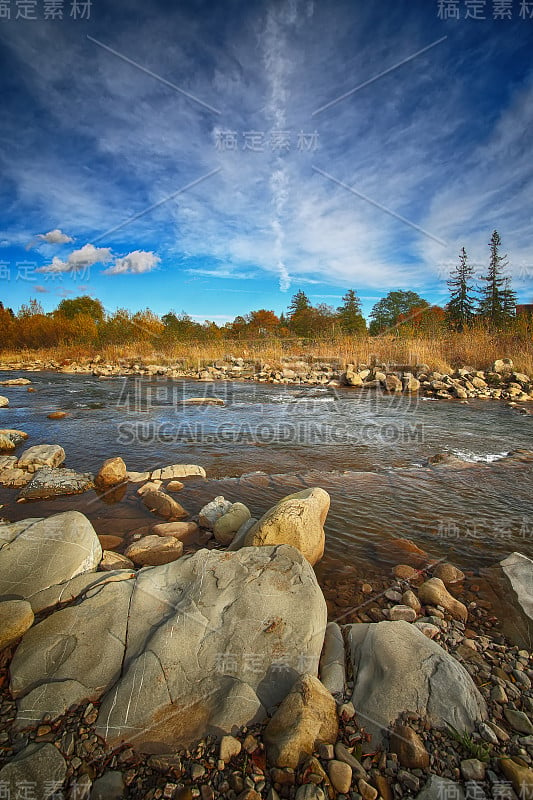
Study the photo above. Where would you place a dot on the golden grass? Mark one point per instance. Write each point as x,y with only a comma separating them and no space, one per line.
477,349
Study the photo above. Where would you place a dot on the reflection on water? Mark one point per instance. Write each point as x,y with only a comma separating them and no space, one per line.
366,450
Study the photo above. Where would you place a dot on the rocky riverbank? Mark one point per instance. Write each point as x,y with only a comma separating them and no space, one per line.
158,673
502,382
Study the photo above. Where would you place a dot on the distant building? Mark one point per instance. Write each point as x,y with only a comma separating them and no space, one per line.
526,309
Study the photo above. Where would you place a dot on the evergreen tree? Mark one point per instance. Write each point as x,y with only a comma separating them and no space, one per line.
299,302
350,318
460,309
497,301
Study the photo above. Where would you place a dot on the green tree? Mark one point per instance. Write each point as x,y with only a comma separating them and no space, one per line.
84,304
387,311
460,310
350,317
497,299
299,302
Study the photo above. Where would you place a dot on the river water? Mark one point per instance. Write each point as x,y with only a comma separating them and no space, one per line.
368,450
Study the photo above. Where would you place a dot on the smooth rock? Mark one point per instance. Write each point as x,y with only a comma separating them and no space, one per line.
511,582
112,473
409,747
110,542
332,668
397,669
16,616
41,455
229,747
174,486
112,561
410,599
438,788
229,523
519,721
37,767
306,717
163,504
57,415
448,573
434,592
308,791
178,471
402,612
297,520
4,402
405,572
109,786
218,637
152,551
340,775
48,551
72,656
520,776
472,769
343,754
180,530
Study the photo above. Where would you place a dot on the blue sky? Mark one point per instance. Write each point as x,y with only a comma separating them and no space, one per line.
217,157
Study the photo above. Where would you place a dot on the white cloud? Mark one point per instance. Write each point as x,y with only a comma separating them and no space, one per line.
55,237
86,256
134,263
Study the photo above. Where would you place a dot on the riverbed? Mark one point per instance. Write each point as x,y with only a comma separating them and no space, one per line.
369,450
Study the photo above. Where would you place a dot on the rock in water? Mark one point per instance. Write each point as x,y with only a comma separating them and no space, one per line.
512,583
113,472
163,504
212,511
38,553
297,520
41,455
229,523
306,717
4,401
53,482
397,669
218,638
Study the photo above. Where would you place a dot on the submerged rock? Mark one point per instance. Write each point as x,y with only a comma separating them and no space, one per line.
113,472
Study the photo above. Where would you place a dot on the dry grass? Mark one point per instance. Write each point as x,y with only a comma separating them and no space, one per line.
477,349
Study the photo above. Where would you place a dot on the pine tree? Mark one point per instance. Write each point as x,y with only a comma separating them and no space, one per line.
460,309
497,301
350,317
299,302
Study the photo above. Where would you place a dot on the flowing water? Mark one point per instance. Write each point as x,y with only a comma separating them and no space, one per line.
368,450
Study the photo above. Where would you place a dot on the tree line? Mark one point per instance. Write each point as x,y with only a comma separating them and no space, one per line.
84,321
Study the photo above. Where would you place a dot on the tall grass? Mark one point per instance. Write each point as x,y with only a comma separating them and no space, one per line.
477,349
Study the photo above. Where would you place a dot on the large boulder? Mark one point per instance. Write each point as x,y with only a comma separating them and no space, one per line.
41,455
52,482
297,520
397,669
38,553
36,772
16,616
214,640
72,656
511,581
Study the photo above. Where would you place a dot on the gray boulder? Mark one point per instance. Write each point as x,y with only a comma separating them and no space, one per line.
332,667
40,765
397,669
214,640
511,581
72,656
438,788
38,553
